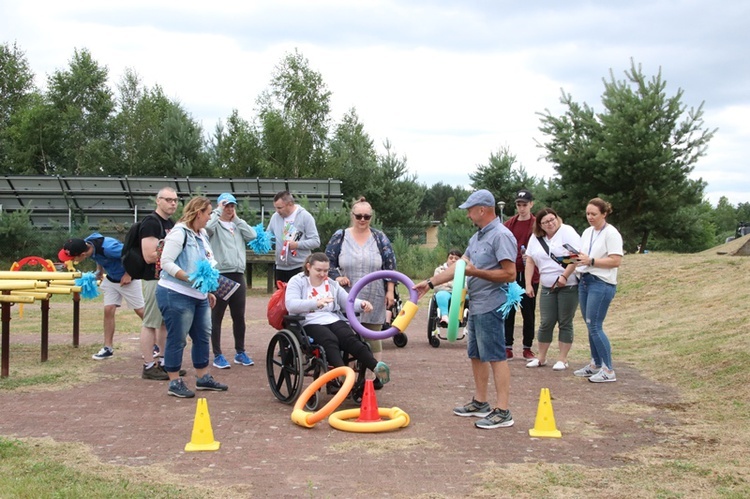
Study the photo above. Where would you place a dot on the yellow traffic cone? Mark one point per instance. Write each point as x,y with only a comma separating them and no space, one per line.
203,435
545,418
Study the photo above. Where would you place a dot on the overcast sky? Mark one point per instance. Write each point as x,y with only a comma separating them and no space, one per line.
448,83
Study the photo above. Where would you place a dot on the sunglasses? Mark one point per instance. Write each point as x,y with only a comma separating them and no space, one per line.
360,216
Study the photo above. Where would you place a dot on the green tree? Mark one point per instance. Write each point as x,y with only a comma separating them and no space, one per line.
503,178
181,138
235,149
637,154
724,218
20,112
153,134
16,82
457,230
352,157
743,212
294,116
395,194
440,198
80,109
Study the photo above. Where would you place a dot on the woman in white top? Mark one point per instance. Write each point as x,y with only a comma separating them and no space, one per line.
600,255
547,251
321,300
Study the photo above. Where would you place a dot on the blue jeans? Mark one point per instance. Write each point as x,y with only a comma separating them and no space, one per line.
594,296
486,340
184,315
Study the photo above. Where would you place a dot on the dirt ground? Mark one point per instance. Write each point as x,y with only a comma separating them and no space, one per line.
129,421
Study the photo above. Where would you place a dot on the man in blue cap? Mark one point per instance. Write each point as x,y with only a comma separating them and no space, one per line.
229,235
490,266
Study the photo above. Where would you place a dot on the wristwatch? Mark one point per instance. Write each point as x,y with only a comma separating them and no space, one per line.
429,283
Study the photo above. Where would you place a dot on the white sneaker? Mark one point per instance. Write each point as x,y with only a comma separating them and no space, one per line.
535,363
586,371
603,377
560,366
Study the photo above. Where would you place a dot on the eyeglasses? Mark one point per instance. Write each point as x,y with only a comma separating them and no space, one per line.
170,200
360,216
548,222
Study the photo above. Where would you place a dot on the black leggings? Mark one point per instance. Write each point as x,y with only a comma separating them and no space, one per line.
236,306
528,306
337,337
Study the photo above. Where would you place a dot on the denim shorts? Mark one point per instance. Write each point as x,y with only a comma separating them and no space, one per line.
486,337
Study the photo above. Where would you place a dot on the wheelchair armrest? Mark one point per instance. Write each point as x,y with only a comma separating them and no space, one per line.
293,322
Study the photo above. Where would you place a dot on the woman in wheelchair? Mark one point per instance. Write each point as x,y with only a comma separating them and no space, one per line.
443,291
321,301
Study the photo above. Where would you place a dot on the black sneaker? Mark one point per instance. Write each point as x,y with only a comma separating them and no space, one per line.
498,418
177,388
207,382
155,372
473,408
160,361
104,353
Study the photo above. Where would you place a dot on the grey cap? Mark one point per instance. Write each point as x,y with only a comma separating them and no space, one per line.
482,197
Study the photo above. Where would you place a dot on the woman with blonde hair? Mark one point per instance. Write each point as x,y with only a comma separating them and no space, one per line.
187,310
356,252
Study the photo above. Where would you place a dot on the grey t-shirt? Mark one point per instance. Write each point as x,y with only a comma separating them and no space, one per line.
487,248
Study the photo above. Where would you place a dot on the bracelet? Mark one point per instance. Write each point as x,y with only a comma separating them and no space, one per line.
592,262
429,283
566,279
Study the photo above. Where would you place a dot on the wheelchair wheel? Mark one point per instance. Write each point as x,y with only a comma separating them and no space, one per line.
319,368
432,324
400,340
284,366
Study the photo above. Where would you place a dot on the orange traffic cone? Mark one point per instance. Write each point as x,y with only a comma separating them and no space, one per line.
368,411
545,418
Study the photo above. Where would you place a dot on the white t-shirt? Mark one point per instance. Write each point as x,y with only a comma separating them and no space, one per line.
549,269
601,244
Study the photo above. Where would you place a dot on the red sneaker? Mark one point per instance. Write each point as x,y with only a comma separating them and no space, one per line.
528,354
508,353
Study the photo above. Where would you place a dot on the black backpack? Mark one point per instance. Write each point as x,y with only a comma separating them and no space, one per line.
132,256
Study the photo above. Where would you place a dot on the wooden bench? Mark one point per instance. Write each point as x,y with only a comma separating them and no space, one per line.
269,260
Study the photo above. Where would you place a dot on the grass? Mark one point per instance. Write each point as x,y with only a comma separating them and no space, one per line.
681,320
42,468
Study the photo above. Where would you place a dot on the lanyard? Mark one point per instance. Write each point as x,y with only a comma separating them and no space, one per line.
593,239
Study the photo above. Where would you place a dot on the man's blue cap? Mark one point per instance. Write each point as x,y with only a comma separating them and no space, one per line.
230,199
482,197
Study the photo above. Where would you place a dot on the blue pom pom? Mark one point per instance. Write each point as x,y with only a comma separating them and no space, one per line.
262,243
513,299
89,287
205,278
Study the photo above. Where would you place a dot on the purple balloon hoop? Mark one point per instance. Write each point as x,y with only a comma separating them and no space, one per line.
380,274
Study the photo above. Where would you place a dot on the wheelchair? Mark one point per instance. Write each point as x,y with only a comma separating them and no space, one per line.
436,331
292,355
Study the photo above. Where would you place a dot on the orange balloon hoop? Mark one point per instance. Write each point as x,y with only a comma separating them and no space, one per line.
308,419
396,419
